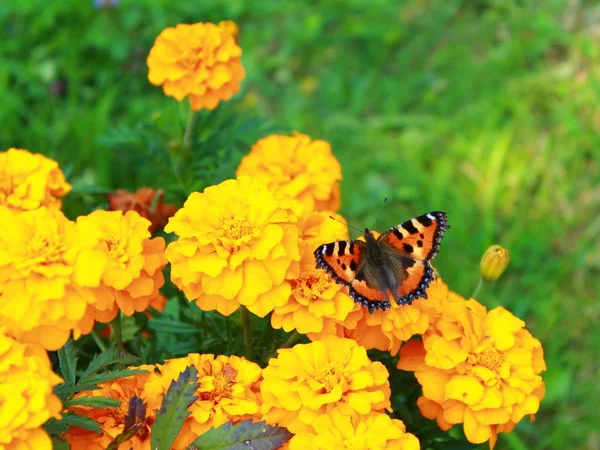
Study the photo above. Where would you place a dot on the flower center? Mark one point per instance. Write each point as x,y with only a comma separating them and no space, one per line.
236,228
313,284
44,249
329,377
116,247
222,385
489,359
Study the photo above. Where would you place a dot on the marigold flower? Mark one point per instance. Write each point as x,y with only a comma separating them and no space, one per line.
112,420
229,391
133,273
478,368
311,380
231,27
297,166
237,242
493,263
30,180
341,432
200,61
147,202
317,303
45,275
26,381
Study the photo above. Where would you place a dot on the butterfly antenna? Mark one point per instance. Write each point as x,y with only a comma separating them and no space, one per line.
347,224
379,213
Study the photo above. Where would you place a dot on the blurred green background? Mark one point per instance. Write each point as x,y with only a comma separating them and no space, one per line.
486,109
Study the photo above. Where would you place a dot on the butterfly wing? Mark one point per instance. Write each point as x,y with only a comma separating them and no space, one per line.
417,275
343,261
418,238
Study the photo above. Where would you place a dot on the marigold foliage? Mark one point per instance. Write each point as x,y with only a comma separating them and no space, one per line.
132,271
317,303
312,380
341,432
112,420
26,398
478,368
199,61
30,180
297,166
229,390
46,270
237,243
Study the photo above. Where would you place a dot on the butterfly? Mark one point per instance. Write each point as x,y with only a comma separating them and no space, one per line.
396,265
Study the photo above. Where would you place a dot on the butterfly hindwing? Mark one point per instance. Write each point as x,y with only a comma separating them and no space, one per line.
369,297
418,276
340,259
418,238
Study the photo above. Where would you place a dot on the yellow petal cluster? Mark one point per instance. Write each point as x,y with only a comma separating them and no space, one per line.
45,273
130,263
341,432
311,380
478,368
229,391
317,304
26,398
297,166
200,61
112,420
237,242
29,180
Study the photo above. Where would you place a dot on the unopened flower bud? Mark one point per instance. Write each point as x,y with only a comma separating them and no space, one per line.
493,263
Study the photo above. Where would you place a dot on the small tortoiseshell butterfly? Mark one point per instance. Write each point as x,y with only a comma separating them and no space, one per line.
395,265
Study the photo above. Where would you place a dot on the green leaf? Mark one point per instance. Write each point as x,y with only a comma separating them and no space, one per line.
63,389
174,409
74,420
105,359
94,402
172,326
67,360
59,444
242,436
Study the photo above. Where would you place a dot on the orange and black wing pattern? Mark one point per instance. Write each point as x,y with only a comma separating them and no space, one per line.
418,238
417,277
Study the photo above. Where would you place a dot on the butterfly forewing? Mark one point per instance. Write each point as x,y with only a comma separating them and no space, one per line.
340,259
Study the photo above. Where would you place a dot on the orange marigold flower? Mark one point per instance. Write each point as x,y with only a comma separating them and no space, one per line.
387,330
132,275
229,391
317,303
478,368
26,397
45,273
147,202
112,420
297,166
311,380
200,61
231,27
237,241
341,432
30,180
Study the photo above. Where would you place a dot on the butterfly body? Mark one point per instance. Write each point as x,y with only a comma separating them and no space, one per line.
394,266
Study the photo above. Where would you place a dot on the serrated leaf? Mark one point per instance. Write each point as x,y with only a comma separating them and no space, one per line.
67,360
174,409
94,402
242,436
105,359
74,420
109,376
55,427
63,389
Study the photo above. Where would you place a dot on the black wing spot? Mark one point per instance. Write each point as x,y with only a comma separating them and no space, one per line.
398,233
408,248
341,248
422,236
338,260
424,220
419,243
408,226
343,266
352,265
329,250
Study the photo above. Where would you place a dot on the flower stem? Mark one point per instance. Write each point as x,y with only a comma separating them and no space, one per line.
477,288
189,128
116,326
247,330
98,340
287,344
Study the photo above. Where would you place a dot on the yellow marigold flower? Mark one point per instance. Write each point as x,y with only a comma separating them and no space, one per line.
317,303
478,368
297,166
133,273
26,397
29,180
493,263
44,271
229,391
200,61
341,432
231,27
112,420
311,380
237,241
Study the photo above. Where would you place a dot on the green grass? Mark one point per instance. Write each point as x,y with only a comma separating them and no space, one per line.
485,109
